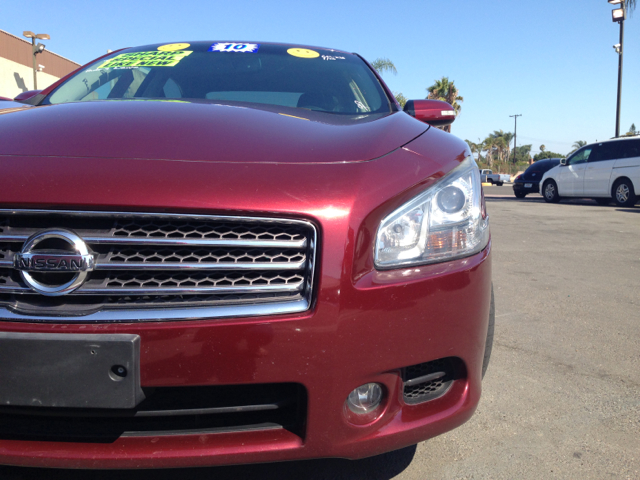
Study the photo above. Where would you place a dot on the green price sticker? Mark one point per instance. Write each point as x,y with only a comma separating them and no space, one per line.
146,59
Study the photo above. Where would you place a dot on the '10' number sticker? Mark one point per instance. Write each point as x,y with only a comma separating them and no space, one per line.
235,47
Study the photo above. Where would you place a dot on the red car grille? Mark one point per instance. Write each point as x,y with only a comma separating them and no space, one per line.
197,266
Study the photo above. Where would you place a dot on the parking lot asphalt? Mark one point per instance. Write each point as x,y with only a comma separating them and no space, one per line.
561,398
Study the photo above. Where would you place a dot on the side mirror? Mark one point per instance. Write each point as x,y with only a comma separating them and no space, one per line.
563,161
26,95
434,112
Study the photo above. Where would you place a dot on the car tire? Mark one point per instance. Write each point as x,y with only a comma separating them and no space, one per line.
603,201
499,184
520,194
550,192
623,193
488,346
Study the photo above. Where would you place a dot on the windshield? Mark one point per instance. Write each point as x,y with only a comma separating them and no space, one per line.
317,79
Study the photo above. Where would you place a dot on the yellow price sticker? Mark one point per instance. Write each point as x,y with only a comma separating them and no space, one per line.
303,53
172,47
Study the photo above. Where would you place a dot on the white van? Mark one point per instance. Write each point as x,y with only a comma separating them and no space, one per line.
602,171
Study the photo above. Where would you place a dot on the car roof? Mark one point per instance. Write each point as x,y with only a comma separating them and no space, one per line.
619,139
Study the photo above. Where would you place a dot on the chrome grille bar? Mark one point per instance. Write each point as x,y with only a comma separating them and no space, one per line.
176,266
294,287
191,242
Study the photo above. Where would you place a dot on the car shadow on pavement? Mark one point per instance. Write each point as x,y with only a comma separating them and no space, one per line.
380,467
565,201
504,198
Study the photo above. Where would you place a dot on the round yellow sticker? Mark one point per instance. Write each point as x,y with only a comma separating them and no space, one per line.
303,53
172,47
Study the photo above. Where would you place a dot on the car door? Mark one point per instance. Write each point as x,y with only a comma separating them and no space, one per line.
570,178
599,166
628,164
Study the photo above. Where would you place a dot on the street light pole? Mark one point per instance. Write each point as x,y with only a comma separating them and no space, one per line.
35,50
620,76
619,15
515,136
33,57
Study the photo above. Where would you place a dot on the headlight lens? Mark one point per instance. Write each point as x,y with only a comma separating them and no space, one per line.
445,222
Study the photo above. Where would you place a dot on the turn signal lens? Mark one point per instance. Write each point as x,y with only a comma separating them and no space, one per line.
365,399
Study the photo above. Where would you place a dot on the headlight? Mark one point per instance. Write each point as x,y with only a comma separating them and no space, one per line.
445,222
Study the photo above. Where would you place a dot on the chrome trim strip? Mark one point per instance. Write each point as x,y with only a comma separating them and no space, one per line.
294,287
424,379
166,314
205,431
191,242
207,411
181,216
58,412
208,266
198,266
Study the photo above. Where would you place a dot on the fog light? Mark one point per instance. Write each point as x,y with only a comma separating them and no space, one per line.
365,398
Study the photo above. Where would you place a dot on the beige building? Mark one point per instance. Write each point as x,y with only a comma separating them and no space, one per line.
16,66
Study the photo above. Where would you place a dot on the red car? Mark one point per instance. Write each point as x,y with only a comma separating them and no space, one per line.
224,252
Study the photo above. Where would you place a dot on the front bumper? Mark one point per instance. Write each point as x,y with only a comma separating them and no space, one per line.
358,333
520,187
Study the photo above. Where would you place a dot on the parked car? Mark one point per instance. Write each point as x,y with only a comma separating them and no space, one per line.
604,171
487,176
529,181
220,253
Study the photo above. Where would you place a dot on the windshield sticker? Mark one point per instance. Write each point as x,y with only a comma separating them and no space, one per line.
146,59
172,47
361,106
331,57
303,53
235,47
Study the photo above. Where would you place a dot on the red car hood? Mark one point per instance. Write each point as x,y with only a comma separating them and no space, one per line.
201,131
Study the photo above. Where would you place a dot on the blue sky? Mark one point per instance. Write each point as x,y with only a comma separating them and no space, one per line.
550,60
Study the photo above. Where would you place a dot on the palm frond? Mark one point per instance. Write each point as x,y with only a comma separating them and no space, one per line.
384,65
631,5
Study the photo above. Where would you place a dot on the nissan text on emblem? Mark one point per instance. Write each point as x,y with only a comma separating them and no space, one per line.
76,260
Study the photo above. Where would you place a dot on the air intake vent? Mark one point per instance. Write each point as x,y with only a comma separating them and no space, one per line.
166,411
430,380
189,266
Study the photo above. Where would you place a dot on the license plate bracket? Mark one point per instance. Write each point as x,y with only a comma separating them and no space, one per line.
70,370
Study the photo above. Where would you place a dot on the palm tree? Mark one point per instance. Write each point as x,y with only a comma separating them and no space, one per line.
400,98
444,89
476,147
506,137
503,148
630,4
384,65
489,144
577,145
543,148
